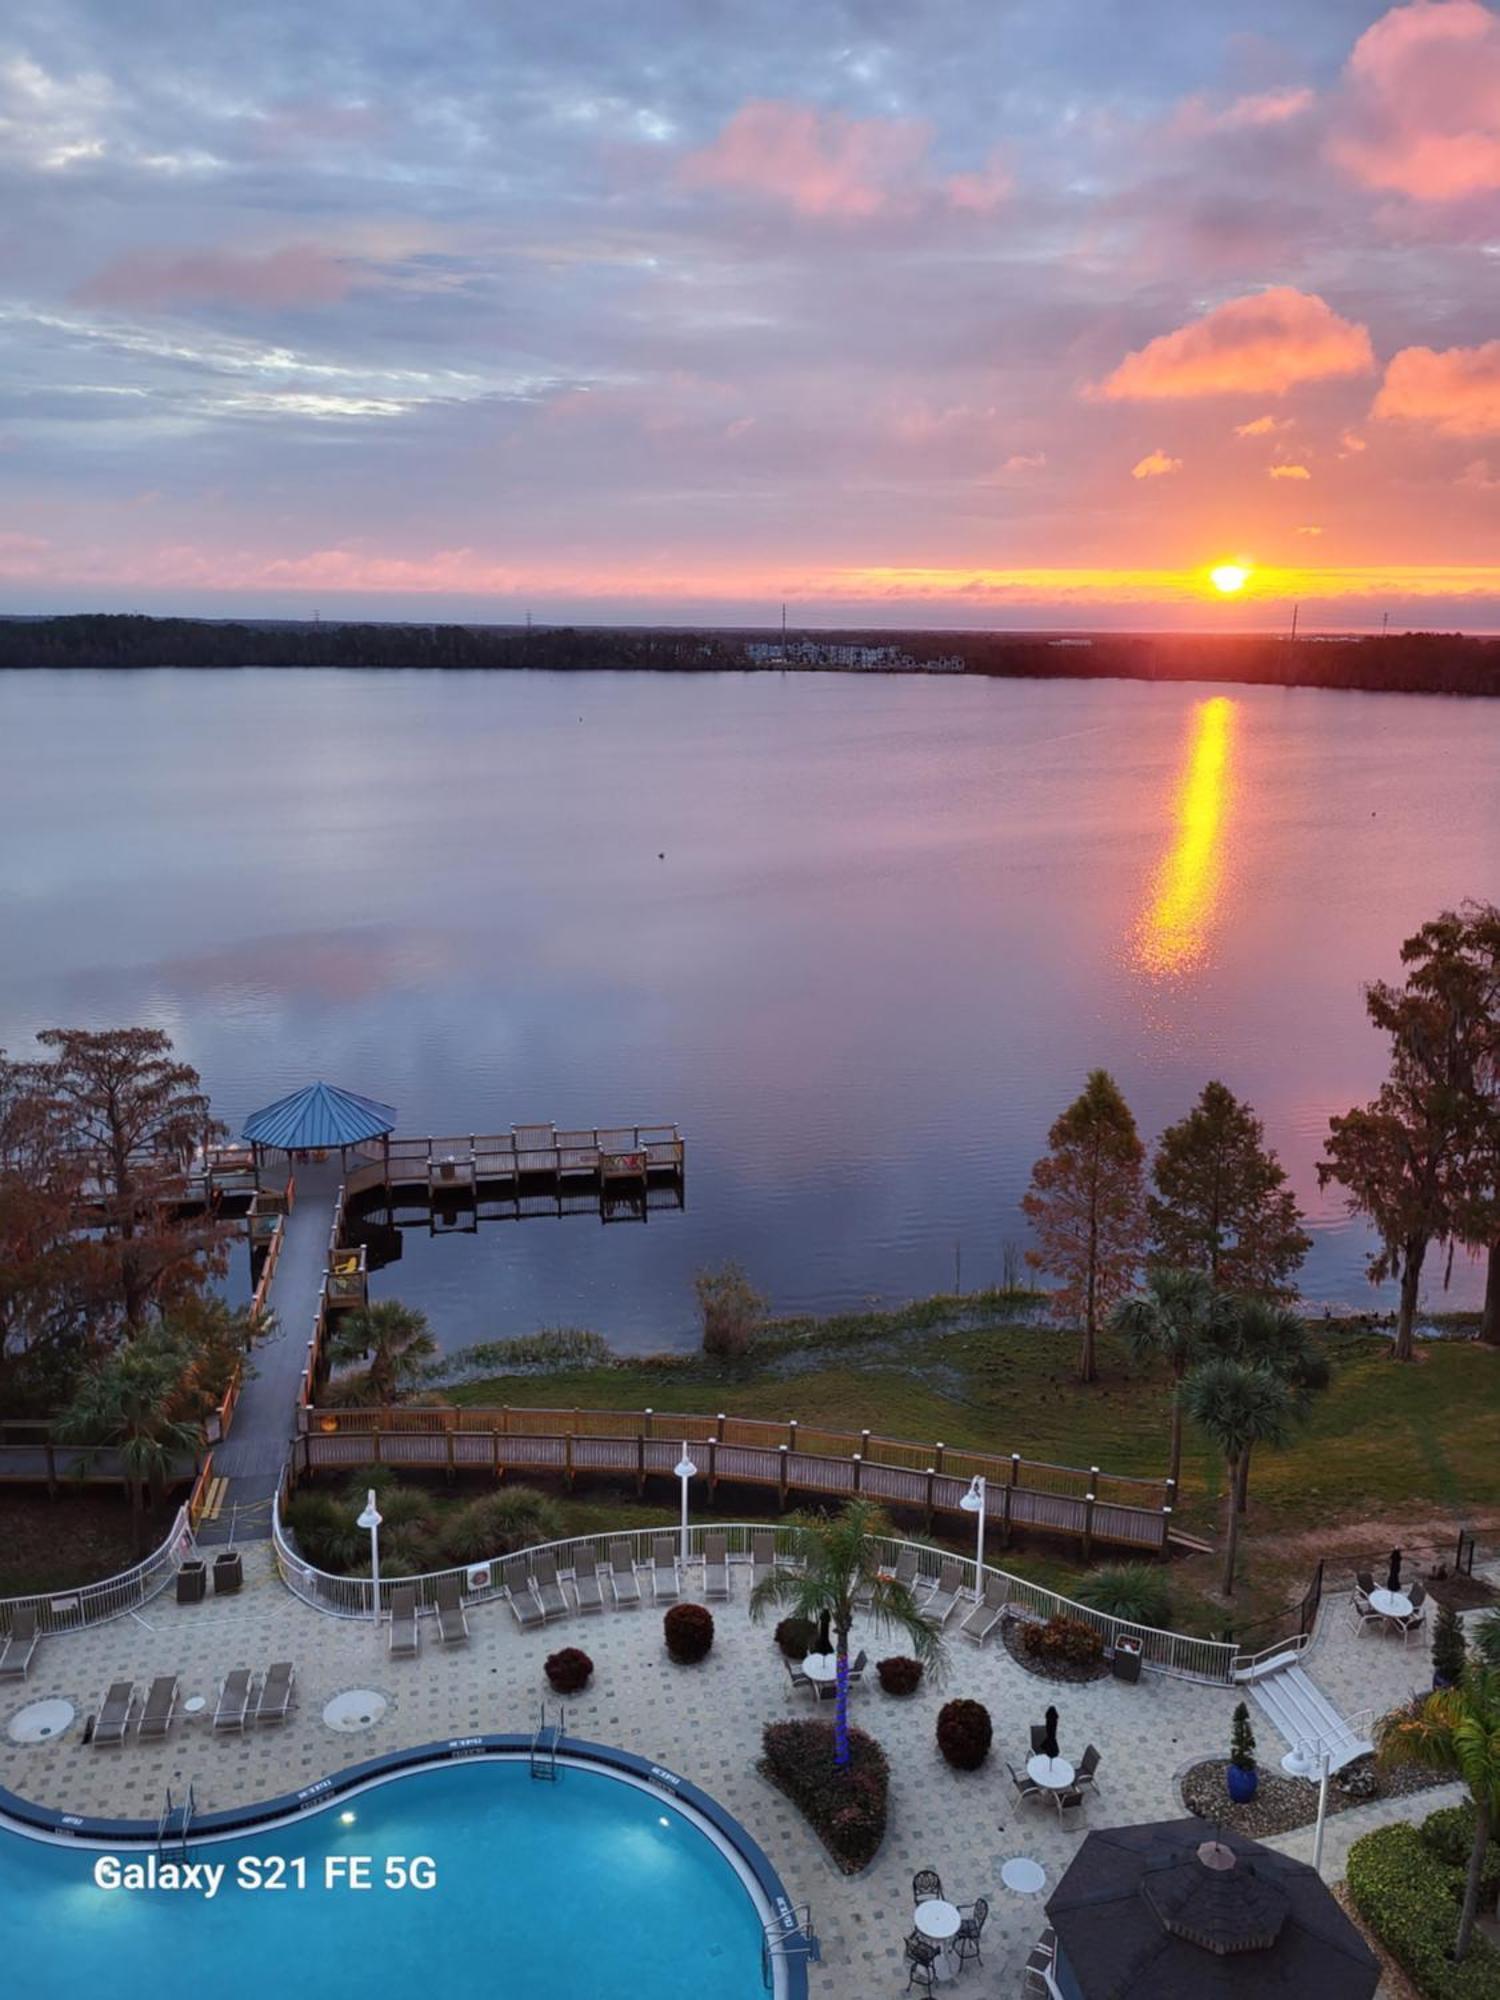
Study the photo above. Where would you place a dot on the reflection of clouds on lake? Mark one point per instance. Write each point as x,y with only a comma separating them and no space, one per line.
1174,931
299,969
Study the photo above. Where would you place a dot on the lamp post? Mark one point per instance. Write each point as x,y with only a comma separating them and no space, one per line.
973,1503
370,1520
685,1470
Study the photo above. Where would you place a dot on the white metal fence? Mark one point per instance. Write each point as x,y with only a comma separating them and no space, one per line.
97,1603
350,1597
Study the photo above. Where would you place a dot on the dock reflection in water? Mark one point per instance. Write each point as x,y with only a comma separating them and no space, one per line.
1175,929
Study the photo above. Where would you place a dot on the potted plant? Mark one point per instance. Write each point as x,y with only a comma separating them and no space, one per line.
1449,1651
689,1632
1241,1773
568,1671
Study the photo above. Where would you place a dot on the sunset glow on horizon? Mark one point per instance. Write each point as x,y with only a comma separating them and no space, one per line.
526,320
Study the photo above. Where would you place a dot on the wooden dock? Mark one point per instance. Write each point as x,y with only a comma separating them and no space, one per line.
603,1158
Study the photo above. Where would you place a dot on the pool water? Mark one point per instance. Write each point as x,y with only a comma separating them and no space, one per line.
586,1889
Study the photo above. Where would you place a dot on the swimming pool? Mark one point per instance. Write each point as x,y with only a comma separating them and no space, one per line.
595,1887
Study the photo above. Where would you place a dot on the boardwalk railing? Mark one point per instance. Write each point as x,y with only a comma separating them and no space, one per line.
96,1603
525,1152
1174,1653
1020,1494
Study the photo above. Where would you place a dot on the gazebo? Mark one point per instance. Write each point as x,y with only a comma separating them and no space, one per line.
1180,1910
320,1119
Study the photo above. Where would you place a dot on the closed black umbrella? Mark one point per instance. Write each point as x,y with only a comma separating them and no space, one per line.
1049,1740
1393,1578
1174,1912
825,1638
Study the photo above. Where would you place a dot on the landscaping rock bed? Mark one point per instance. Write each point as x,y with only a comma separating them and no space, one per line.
1012,1631
1282,1803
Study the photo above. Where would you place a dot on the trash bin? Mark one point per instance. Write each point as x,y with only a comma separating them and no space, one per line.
1127,1660
229,1572
192,1581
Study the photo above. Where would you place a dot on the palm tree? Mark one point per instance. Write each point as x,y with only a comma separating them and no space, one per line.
1456,1730
1239,1406
1168,1319
1270,1335
396,1338
138,1403
838,1560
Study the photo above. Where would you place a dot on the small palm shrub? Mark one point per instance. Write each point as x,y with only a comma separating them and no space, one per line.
845,1807
964,1733
1136,1592
689,1633
899,1675
795,1637
517,1517
326,1533
1064,1639
569,1670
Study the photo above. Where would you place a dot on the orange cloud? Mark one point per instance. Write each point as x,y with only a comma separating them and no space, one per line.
301,275
1155,465
1352,444
1422,102
817,162
1456,391
1289,472
1195,116
1262,427
1263,344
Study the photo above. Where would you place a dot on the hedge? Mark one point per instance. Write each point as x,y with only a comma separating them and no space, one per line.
1401,1890
1448,1835
846,1808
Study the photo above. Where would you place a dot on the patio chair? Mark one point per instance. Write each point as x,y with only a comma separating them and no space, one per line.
987,1613
1038,1738
857,1666
926,1886
1069,1803
276,1693
972,1919
1027,1788
938,1606
665,1580
21,1644
586,1581
114,1716
921,1963
405,1640
795,1675
1363,1612
522,1599
624,1582
549,1592
716,1566
233,1706
1413,1626
1088,1764
762,1556
452,1619
161,1706
1364,1581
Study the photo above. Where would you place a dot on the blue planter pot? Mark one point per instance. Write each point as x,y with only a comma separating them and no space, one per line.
1241,1784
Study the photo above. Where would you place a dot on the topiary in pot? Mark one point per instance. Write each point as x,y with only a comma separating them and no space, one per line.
899,1675
569,1670
689,1632
795,1637
964,1733
1240,1773
1449,1650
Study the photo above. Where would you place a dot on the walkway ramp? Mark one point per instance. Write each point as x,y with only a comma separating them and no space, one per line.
1306,1719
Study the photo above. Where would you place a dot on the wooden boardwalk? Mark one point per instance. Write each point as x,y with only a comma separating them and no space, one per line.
607,1159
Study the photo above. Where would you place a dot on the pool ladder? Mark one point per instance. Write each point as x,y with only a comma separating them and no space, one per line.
792,1936
163,1826
544,1745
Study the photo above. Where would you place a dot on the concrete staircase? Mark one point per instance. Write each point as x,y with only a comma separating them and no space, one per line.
1304,1716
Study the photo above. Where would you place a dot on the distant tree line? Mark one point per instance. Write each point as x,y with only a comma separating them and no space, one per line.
1399,663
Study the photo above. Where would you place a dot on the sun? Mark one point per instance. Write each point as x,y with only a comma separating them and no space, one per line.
1229,578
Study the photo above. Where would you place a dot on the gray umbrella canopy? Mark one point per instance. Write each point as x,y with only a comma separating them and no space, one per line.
318,1119
1179,1911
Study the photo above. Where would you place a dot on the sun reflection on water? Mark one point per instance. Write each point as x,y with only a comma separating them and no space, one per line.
1173,933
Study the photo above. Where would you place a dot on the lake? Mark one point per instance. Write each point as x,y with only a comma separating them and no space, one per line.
860,937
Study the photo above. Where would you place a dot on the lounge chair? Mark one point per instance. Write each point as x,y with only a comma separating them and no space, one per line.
716,1566
938,1605
665,1580
987,1613
161,1706
1088,1764
114,1716
762,1556
549,1592
905,1572
20,1645
232,1710
1027,1788
452,1620
276,1693
586,1581
623,1580
521,1596
1037,1981
405,1640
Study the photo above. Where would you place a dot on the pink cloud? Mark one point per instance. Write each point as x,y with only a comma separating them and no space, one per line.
1263,344
1456,391
1421,111
1262,427
1025,461
1195,117
1288,472
981,193
1155,465
300,275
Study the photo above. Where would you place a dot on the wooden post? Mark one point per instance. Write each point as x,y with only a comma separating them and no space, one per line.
931,1482
713,1470
640,1463
719,1439
1008,1489
495,1437
1166,1534
568,1458
1171,1493
450,1436
791,1433
781,1462
939,1465
647,1421
864,1444
1088,1527
857,1463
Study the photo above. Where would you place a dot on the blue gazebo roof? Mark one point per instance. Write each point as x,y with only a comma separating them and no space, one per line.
318,1118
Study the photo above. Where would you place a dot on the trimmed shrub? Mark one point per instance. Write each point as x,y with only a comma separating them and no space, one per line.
795,1638
1064,1639
689,1632
731,1311
1136,1592
569,1670
1241,1739
845,1808
1400,1888
1450,1650
1448,1836
899,1675
964,1733
517,1517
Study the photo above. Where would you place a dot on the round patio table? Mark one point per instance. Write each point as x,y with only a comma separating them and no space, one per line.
938,1922
1055,1773
1391,1603
821,1666
1024,1875
194,1706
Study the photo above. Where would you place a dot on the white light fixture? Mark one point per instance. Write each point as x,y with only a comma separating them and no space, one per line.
685,1470
973,1503
370,1521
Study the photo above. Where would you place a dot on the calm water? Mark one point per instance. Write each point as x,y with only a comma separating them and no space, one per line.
860,938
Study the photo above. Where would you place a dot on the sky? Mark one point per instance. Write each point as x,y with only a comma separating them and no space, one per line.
984,313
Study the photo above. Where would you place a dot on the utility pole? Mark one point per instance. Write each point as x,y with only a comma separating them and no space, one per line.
1385,624
1295,609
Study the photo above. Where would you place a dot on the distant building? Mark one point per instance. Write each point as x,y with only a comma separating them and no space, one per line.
836,657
